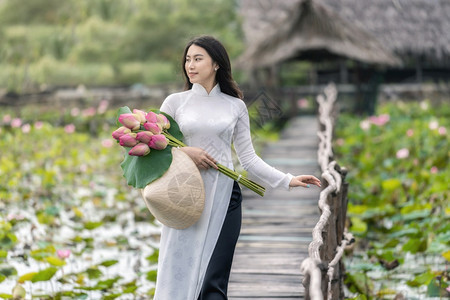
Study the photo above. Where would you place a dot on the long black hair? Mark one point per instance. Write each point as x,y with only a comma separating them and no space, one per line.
219,55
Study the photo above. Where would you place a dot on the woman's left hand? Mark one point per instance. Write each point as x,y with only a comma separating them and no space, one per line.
304,181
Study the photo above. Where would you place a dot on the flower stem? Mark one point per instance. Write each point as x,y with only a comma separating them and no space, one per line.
259,189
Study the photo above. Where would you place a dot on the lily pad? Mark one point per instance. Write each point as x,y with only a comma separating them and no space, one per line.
44,275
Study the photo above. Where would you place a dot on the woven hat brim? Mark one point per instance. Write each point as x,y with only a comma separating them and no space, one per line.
177,198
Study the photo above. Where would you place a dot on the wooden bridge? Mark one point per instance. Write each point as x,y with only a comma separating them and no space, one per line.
276,230
290,234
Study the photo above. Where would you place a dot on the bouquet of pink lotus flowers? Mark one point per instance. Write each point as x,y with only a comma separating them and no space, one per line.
146,137
142,131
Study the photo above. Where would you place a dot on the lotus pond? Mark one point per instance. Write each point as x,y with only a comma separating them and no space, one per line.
70,227
399,200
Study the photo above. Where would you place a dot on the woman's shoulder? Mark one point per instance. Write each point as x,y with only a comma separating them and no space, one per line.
177,95
237,102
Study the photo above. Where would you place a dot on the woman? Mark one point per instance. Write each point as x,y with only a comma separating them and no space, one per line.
195,263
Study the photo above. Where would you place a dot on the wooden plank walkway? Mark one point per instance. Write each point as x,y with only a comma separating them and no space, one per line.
276,229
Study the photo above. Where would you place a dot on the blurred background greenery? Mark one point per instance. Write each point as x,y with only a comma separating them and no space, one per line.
105,42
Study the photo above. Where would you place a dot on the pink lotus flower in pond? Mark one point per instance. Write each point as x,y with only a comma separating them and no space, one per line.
102,106
144,136
433,125
63,253
379,120
154,128
402,153
107,143
38,125
410,132
140,115
365,125
89,112
151,117
120,131
70,128
434,170
442,130
302,103
163,121
140,149
128,140
6,119
158,142
16,122
26,128
130,121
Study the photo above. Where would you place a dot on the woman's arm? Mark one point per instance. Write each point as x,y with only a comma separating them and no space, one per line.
251,162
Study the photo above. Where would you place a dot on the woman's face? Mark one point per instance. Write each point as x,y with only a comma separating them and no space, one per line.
199,67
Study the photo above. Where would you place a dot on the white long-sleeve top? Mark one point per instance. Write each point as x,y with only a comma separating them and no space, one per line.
213,122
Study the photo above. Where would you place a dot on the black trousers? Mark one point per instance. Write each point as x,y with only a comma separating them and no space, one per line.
215,284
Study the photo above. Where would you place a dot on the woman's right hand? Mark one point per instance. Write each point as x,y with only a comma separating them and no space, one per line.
200,157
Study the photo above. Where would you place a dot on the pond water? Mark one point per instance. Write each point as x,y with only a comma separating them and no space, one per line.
386,284
117,250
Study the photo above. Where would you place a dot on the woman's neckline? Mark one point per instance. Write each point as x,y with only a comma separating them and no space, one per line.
200,90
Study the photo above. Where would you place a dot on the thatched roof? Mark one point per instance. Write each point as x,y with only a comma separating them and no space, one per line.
415,28
378,32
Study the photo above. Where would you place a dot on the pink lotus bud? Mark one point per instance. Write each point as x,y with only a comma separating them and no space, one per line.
158,142
128,140
154,128
120,131
163,121
151,117
144,136
140,115
140,149
63,253
130,121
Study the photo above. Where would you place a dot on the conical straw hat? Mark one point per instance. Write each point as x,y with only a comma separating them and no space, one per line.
177,198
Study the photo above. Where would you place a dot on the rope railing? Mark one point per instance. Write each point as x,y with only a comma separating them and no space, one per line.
323,270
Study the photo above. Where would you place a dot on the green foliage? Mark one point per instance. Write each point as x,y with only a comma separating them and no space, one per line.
103,42
398,181
61,173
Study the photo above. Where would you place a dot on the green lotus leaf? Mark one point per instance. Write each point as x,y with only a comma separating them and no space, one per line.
26,277
55,261
94,273
44,275
108,263
92,225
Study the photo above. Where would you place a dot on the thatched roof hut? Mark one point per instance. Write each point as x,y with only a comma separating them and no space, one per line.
384,32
